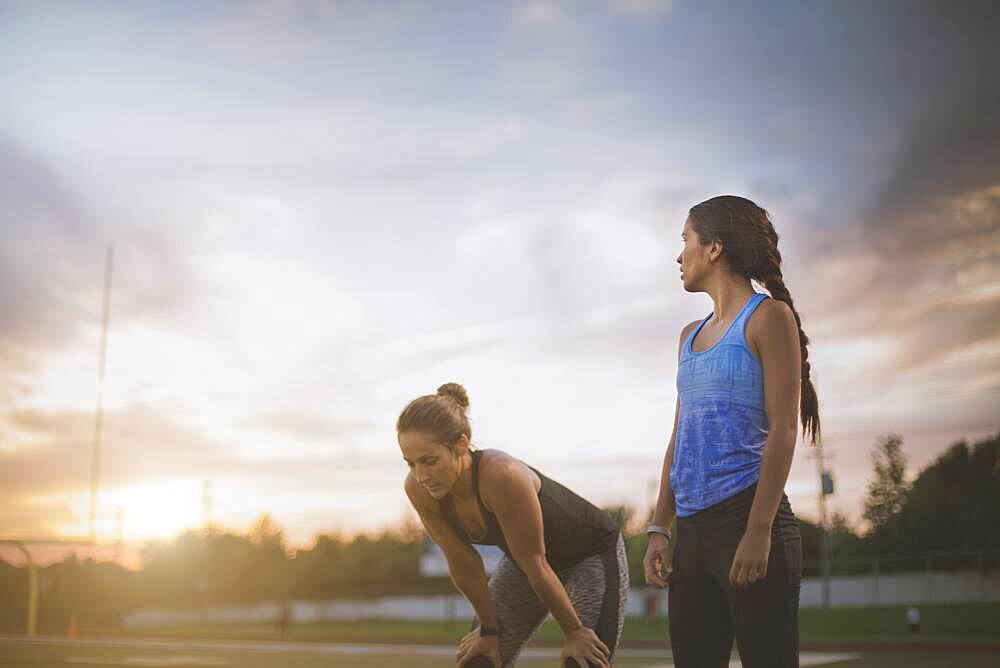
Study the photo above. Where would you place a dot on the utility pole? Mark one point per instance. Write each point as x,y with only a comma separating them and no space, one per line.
206,509
825,489
825,476
119,533
206,505
95,465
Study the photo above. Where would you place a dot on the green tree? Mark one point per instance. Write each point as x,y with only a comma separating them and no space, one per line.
268,560
887,489
846,548
266,532
954,504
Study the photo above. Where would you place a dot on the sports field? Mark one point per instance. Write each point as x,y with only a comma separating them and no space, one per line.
942,624
21,653
966,636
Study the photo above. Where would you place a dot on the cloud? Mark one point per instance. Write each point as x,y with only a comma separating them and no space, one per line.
308,425
52,272
643,7
918,261
34,517
902,303
541,13
478,141
320,211
139,444
949,155
926,276
40,308
43,483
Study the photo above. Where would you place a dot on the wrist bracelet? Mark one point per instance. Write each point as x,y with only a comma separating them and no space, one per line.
489,631
656,528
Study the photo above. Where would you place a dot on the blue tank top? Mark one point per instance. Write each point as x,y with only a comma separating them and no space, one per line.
721,424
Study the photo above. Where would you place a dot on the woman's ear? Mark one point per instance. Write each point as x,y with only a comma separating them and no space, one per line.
462,444
715,250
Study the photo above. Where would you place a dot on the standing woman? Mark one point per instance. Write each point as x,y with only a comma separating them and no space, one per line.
562,554
742,381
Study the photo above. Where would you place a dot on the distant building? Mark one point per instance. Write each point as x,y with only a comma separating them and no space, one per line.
433,563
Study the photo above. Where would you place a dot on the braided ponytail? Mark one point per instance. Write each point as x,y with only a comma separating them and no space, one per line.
808,402
750,246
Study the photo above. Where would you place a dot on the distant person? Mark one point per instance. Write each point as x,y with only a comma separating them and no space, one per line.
285,619
562,554
913,619
742,381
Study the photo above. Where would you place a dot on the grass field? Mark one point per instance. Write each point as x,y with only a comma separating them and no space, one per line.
18,653
966,636
965,624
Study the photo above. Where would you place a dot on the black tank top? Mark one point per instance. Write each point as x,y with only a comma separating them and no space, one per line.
574,528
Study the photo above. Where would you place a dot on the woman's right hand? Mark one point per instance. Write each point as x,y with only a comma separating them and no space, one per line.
658,564
584,647
473,645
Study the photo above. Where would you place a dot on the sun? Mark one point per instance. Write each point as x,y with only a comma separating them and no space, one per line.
151,510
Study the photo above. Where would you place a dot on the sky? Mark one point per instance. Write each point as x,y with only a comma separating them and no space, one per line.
320,210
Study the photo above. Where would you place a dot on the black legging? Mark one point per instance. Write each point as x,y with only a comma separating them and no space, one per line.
706,612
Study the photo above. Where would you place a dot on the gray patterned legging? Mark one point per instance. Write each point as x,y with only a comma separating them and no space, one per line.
597,588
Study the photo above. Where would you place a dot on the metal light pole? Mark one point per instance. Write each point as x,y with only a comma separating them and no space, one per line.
95,467
825,489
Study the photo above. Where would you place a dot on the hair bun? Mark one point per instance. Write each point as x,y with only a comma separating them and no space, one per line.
456,392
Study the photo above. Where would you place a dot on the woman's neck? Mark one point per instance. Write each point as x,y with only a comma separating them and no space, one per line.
729,294
463,488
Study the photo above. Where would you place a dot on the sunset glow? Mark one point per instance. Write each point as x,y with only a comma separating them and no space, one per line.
321,212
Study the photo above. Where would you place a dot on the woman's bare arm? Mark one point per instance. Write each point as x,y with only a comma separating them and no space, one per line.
510,489
464,563
774,336
657,564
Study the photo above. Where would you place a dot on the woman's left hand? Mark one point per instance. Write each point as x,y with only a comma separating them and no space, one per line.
473,645
750,560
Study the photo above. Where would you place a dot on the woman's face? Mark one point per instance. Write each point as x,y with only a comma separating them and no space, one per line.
694,259
435,466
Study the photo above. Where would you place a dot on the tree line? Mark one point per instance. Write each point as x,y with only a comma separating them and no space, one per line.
952,505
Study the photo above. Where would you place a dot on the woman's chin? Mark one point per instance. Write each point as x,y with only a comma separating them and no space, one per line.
690,285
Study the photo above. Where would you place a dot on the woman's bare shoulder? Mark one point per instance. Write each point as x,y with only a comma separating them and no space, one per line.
500,472
771,315
688,328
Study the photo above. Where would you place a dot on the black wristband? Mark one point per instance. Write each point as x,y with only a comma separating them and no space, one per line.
489,631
